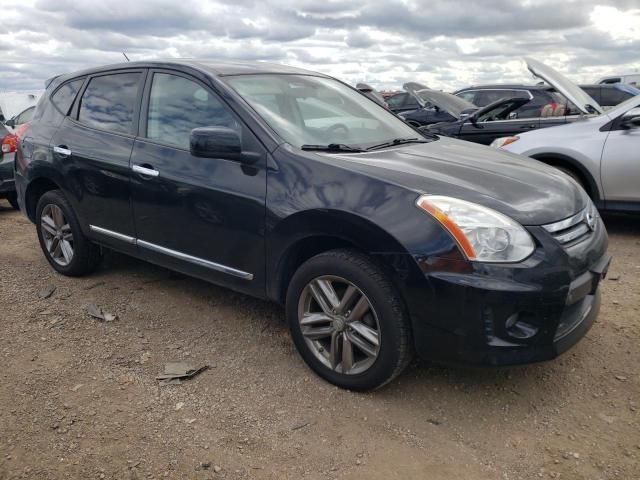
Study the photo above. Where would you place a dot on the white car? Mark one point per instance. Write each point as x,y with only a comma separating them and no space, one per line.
602,153
631,79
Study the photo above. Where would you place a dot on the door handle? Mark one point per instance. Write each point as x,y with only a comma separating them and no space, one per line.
524,127
62,150
146,171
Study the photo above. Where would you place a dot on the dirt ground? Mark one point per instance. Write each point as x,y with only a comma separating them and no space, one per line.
79,399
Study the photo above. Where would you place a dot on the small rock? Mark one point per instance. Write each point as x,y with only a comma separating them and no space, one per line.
217,469
622,378
614,278
77,387
46,292
179,406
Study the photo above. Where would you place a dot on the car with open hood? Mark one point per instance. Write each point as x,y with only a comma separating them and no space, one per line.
545,101
512,111
292,186
434,106
600,153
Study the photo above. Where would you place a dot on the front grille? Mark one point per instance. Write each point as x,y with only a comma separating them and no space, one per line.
574,229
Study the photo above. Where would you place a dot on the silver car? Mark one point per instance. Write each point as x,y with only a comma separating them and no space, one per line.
600,152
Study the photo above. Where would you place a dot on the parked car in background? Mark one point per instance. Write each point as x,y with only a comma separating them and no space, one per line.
495,119
610,95
434,107
402,102
290,185
630,79
8,146
545,101
600,153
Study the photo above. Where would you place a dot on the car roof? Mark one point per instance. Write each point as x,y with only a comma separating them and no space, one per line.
213,67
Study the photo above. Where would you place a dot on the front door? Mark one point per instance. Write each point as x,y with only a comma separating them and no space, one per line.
93,145
202,216
620,165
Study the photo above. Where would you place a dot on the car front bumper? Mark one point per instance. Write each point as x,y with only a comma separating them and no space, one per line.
492,315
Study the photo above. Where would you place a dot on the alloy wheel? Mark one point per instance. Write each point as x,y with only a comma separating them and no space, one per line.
339,325
57,235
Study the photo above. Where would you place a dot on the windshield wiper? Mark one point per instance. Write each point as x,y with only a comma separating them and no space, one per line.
332,147
397,141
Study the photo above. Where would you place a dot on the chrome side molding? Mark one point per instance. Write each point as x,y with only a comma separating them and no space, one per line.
173,253
112,234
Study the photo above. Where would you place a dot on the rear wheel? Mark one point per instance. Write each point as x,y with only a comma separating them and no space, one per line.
64,245
347,320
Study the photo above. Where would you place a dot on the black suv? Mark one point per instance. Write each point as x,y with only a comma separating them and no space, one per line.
545,101
290,185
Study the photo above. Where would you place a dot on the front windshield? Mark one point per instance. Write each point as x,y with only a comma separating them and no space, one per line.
308,110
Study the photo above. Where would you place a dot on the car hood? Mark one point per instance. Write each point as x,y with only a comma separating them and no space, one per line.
444,101
524,189
12,103
575,94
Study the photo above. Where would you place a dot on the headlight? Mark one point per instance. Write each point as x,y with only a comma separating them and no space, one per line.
482,234
504,141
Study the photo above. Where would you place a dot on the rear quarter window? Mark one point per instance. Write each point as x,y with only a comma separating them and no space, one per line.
108,102
64,96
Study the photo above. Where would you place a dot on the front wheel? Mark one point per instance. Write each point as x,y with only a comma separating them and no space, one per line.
347,320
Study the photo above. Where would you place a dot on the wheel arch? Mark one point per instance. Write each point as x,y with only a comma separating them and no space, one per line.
35,189
561,160
306,234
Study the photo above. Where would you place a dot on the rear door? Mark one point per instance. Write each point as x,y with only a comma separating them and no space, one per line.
93,146
202,216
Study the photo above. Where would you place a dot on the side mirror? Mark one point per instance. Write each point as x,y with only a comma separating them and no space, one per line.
631,119
215,142
10,123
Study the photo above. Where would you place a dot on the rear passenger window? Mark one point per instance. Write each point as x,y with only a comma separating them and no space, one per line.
64,96
468,96
108,102
178,105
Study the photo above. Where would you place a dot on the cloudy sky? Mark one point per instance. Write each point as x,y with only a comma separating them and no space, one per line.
443,43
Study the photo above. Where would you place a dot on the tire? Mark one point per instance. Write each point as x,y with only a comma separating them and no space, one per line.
353,328
12,198
85,256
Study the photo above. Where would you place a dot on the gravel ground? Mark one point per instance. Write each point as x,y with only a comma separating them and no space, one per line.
79,399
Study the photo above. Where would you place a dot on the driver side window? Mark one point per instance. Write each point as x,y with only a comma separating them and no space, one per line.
177,105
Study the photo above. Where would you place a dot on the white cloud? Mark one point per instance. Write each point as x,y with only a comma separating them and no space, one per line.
441,43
